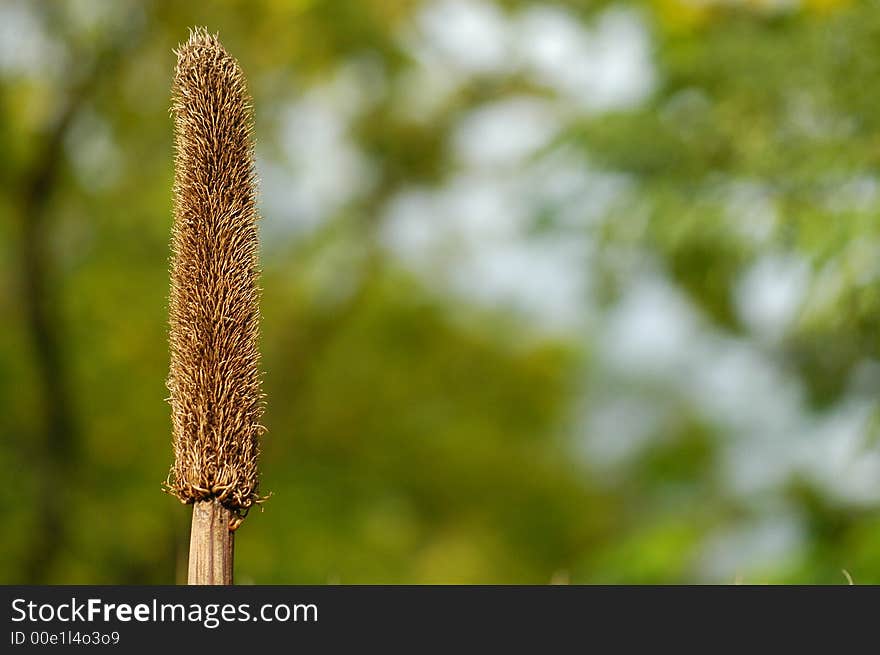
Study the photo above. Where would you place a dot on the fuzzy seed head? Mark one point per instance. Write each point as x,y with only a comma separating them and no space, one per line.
214,379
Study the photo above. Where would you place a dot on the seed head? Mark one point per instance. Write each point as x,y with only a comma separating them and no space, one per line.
214,379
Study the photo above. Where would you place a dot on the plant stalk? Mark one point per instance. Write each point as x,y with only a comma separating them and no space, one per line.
211,545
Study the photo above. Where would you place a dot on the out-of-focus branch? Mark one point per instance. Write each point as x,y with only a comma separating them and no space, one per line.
56,454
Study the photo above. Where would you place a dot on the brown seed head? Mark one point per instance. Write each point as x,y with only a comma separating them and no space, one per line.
214,380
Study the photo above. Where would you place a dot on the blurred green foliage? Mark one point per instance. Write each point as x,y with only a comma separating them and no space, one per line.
415,436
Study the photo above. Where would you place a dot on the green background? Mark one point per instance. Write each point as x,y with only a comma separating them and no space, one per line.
579,292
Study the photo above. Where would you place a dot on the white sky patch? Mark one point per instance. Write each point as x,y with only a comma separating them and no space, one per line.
480,209
357,85
435,230
97,161
411,224
648,333
760,409
504,133
544,279
602,67
620,426
471,36
480,236
737,386
450,41
322,169
25,46
769,431
487,261
837,452
763,544
608,66
770,293
762,413
574,193
439,228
